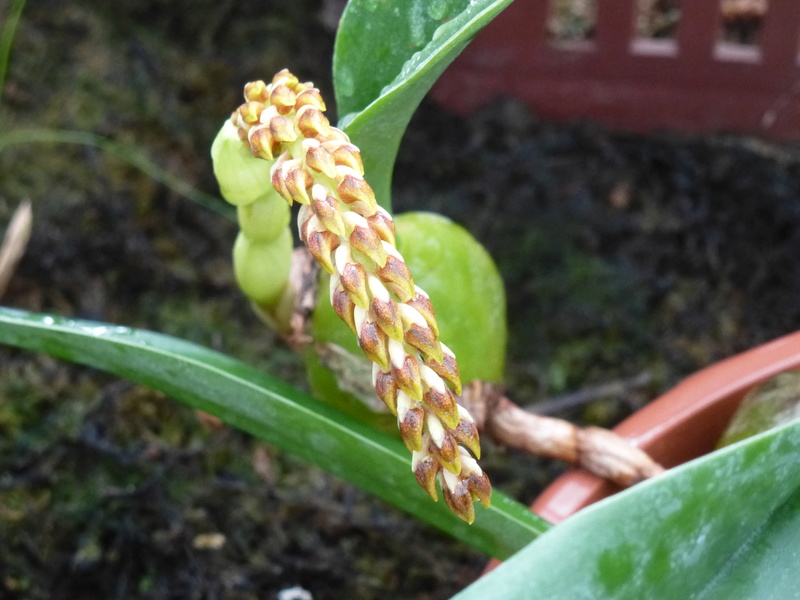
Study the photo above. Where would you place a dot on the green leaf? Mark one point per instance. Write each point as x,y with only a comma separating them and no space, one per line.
721,527
271,410
387,57
7,38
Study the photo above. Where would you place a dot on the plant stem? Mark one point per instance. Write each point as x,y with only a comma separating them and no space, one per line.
598,450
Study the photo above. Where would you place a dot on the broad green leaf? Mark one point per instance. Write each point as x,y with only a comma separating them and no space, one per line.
387,57
722,527
270,410
375,39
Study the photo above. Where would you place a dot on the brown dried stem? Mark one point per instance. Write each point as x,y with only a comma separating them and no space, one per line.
14,243
595,449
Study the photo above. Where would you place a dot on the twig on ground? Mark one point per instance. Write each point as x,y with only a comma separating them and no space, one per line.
590,394
14,243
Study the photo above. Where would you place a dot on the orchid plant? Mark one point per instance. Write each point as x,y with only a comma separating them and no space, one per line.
723,526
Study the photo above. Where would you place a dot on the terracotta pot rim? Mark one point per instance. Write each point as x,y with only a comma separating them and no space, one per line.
699,407
696,411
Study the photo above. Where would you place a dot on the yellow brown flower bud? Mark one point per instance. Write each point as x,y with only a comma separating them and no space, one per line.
254,91
282,98
345,308
383,225
426,468
356,189
310,97
320,160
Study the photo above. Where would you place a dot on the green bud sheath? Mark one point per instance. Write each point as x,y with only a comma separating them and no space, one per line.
263,250
240,175
262,268
266,218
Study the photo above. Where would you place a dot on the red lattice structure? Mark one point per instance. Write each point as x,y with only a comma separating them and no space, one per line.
693,82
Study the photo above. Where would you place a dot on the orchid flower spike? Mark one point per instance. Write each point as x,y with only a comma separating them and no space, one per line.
371,288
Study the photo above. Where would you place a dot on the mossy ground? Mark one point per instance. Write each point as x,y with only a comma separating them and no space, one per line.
622,254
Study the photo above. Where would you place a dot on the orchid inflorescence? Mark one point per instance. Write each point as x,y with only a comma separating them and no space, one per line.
371,287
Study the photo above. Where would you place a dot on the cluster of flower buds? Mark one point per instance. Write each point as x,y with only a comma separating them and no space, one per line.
371,287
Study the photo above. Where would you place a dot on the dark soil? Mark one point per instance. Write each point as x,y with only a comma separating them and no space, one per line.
628,259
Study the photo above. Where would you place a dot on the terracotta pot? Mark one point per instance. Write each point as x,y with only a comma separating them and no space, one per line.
683,424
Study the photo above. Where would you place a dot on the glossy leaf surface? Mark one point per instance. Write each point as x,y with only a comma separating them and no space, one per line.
724,526
270,410
387,57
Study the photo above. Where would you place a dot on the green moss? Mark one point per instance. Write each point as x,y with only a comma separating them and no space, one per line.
774,402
